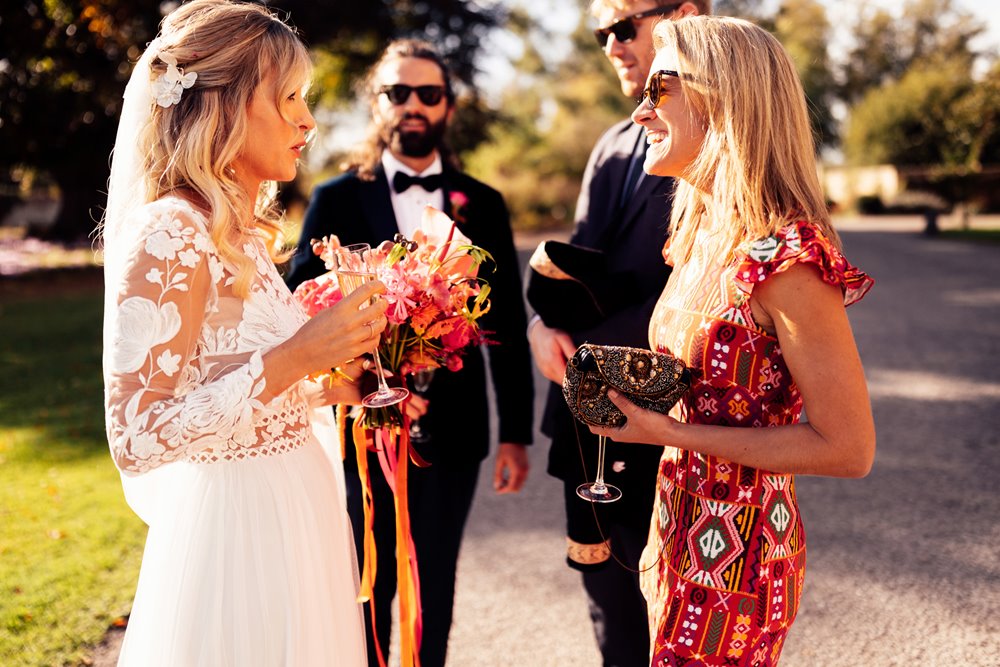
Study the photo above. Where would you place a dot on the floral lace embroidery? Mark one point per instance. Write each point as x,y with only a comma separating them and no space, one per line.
184,371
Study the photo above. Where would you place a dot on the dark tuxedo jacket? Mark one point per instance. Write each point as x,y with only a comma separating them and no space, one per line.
632,238
360,211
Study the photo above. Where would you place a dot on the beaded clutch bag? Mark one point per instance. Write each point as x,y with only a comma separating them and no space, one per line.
651,380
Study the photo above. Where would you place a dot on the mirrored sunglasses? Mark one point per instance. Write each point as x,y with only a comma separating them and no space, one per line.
624,28
398,93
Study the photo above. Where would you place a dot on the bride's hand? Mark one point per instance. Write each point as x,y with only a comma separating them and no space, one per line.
342,332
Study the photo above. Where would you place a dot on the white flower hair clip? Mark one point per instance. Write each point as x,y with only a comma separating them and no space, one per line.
169,86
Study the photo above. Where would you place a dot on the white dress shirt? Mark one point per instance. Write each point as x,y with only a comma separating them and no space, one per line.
409,206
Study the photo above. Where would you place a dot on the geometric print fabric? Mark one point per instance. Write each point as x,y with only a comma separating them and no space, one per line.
725,561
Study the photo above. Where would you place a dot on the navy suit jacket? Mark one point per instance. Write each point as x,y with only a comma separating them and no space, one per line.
359,211
632,237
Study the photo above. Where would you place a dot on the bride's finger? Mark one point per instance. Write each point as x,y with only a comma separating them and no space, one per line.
371,330
365,292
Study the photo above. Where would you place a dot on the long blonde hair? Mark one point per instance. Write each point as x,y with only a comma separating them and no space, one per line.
756,171
190,146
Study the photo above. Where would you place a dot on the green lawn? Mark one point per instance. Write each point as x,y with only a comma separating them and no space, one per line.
69,545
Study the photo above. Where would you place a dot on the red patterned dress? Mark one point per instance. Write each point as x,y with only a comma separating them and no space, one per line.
728,584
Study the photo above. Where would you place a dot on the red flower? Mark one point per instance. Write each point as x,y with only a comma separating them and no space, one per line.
458,337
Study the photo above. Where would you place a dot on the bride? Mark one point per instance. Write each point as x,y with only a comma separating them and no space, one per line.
211,415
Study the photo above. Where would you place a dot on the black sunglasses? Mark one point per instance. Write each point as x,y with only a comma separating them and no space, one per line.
400,92
624,28
654,91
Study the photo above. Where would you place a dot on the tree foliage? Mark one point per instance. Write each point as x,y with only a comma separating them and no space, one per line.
65,64
61,82
747,9
550,119
885,47
907,82
804,30
348,36
911,121
917,103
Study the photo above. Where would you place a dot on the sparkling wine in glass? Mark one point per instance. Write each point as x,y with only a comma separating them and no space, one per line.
353,271
598,491
421,383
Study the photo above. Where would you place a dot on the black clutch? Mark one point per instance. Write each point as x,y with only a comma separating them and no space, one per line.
570,287
651,380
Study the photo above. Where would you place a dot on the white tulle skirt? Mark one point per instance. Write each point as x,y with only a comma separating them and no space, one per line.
247,563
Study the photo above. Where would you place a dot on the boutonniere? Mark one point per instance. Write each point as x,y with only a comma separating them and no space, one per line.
458,200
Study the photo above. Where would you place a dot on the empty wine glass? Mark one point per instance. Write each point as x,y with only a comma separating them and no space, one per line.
354,269
421,383
598,491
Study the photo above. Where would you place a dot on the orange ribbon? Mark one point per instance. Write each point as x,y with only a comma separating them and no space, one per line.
393,447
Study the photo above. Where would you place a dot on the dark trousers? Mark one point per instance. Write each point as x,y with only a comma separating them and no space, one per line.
440,497
617,607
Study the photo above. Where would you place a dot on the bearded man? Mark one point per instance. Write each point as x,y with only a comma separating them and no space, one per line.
405,165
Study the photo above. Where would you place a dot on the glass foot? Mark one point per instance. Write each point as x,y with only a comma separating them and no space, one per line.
599,493
385,398
418,435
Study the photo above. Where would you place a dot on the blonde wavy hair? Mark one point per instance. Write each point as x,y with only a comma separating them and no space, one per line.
756,171
190,147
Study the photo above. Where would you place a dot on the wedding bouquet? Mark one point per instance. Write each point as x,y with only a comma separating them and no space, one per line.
434,294
435,299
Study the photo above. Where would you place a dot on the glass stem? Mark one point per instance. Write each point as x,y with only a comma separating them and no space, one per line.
601,444
383,387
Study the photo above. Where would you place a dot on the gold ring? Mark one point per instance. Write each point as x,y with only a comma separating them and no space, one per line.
371,330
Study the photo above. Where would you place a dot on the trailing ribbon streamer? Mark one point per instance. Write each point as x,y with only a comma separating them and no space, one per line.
392,445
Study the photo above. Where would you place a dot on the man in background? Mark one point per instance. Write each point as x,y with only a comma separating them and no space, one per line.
404,166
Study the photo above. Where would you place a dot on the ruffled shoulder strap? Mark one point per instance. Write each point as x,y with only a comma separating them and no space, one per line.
801,242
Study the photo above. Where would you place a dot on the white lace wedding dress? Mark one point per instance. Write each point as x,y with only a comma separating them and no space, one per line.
249,558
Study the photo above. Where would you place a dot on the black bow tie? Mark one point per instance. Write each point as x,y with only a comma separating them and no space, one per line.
401,182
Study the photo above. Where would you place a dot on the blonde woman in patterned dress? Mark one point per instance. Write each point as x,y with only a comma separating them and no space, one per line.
755,307
211,417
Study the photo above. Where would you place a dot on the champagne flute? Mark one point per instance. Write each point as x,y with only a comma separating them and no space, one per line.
599,492
354,270
421,383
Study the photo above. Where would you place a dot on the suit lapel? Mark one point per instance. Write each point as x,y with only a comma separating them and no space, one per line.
608,191
646,193
452,184
376,205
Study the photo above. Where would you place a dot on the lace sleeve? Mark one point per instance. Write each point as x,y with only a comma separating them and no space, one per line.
154,327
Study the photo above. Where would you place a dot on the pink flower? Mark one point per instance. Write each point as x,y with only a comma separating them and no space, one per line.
319,293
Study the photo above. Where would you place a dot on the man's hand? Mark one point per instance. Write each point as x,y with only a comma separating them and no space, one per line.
415,406
511,470
551,349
